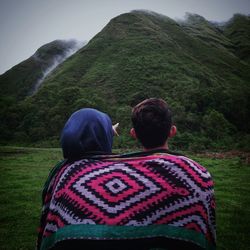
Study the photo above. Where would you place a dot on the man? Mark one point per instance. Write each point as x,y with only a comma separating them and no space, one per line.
152,124
195,211
145,200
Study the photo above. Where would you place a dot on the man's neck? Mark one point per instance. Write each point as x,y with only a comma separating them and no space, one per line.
165,147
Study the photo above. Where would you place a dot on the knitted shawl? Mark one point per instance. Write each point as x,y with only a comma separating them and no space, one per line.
155,200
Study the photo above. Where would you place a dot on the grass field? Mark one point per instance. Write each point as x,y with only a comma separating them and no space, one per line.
24,170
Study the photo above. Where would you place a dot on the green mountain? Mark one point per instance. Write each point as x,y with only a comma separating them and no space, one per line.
197,66
23,79
209,33
238,31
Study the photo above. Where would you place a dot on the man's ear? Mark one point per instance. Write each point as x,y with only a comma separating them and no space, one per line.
172,132
132,133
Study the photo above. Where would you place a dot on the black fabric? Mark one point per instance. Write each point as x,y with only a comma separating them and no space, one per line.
136,244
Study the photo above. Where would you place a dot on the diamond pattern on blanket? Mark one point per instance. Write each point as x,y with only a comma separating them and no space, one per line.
120,188
115,186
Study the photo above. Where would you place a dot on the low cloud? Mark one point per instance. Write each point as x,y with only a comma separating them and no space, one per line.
56,61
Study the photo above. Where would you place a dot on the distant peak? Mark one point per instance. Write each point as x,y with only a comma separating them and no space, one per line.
70,43
150,13
193,18
58,47
239,17
53,54
147,12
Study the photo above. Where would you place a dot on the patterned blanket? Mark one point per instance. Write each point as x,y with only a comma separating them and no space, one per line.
155,199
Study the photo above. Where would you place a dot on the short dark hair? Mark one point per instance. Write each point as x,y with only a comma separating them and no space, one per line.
152,122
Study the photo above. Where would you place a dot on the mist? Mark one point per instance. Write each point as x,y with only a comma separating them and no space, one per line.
55,62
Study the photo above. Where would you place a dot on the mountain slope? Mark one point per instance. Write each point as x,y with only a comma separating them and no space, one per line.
206,32
23,78
192,65
238,31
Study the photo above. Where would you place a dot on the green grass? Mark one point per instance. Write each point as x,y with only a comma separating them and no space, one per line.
232,190
23,172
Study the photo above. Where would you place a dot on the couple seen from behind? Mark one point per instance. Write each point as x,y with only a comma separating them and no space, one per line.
153,199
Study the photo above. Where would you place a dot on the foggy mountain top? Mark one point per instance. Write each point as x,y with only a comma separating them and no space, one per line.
190,17
60,51
66,47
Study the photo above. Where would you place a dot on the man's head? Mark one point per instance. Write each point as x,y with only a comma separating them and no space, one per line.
152,123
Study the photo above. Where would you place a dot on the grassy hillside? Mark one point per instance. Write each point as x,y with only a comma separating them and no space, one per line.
195,66
238,31
19,81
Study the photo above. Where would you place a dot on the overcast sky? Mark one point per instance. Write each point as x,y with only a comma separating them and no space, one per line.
26,25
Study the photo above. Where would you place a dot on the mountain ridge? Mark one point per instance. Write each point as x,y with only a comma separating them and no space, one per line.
192,65
37,66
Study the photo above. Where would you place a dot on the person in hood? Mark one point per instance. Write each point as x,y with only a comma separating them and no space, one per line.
87,131
87,135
